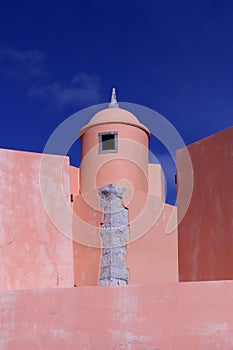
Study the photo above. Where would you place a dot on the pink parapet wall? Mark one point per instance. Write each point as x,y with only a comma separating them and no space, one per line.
152,257
205,233
34,253
176,316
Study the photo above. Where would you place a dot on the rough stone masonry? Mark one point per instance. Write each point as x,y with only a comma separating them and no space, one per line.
114,233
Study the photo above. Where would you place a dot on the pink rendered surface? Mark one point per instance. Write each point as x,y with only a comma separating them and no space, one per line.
33,252
177,316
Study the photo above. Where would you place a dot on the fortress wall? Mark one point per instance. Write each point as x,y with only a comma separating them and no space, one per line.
205,235
163,316
34,202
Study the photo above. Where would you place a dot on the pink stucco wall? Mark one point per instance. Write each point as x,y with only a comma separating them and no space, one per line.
176,316
152,253
205,233
152,257
36,253
33,251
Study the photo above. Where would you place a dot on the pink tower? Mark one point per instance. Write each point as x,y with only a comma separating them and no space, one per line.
115,152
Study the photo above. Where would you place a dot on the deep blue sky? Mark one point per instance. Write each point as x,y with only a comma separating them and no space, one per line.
57,57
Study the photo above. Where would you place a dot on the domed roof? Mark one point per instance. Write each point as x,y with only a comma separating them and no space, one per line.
113,115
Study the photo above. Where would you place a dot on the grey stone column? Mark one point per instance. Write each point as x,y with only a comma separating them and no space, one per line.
114,233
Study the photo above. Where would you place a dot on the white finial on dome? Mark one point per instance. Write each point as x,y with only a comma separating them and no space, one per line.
113,103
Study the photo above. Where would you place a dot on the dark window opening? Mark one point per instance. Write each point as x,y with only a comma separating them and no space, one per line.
107,142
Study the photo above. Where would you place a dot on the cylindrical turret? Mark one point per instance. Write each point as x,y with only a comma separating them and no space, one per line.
114,151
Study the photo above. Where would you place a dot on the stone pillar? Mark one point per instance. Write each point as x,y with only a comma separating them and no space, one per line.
114,233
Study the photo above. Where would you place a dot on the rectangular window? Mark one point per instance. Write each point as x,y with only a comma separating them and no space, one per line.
108,142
